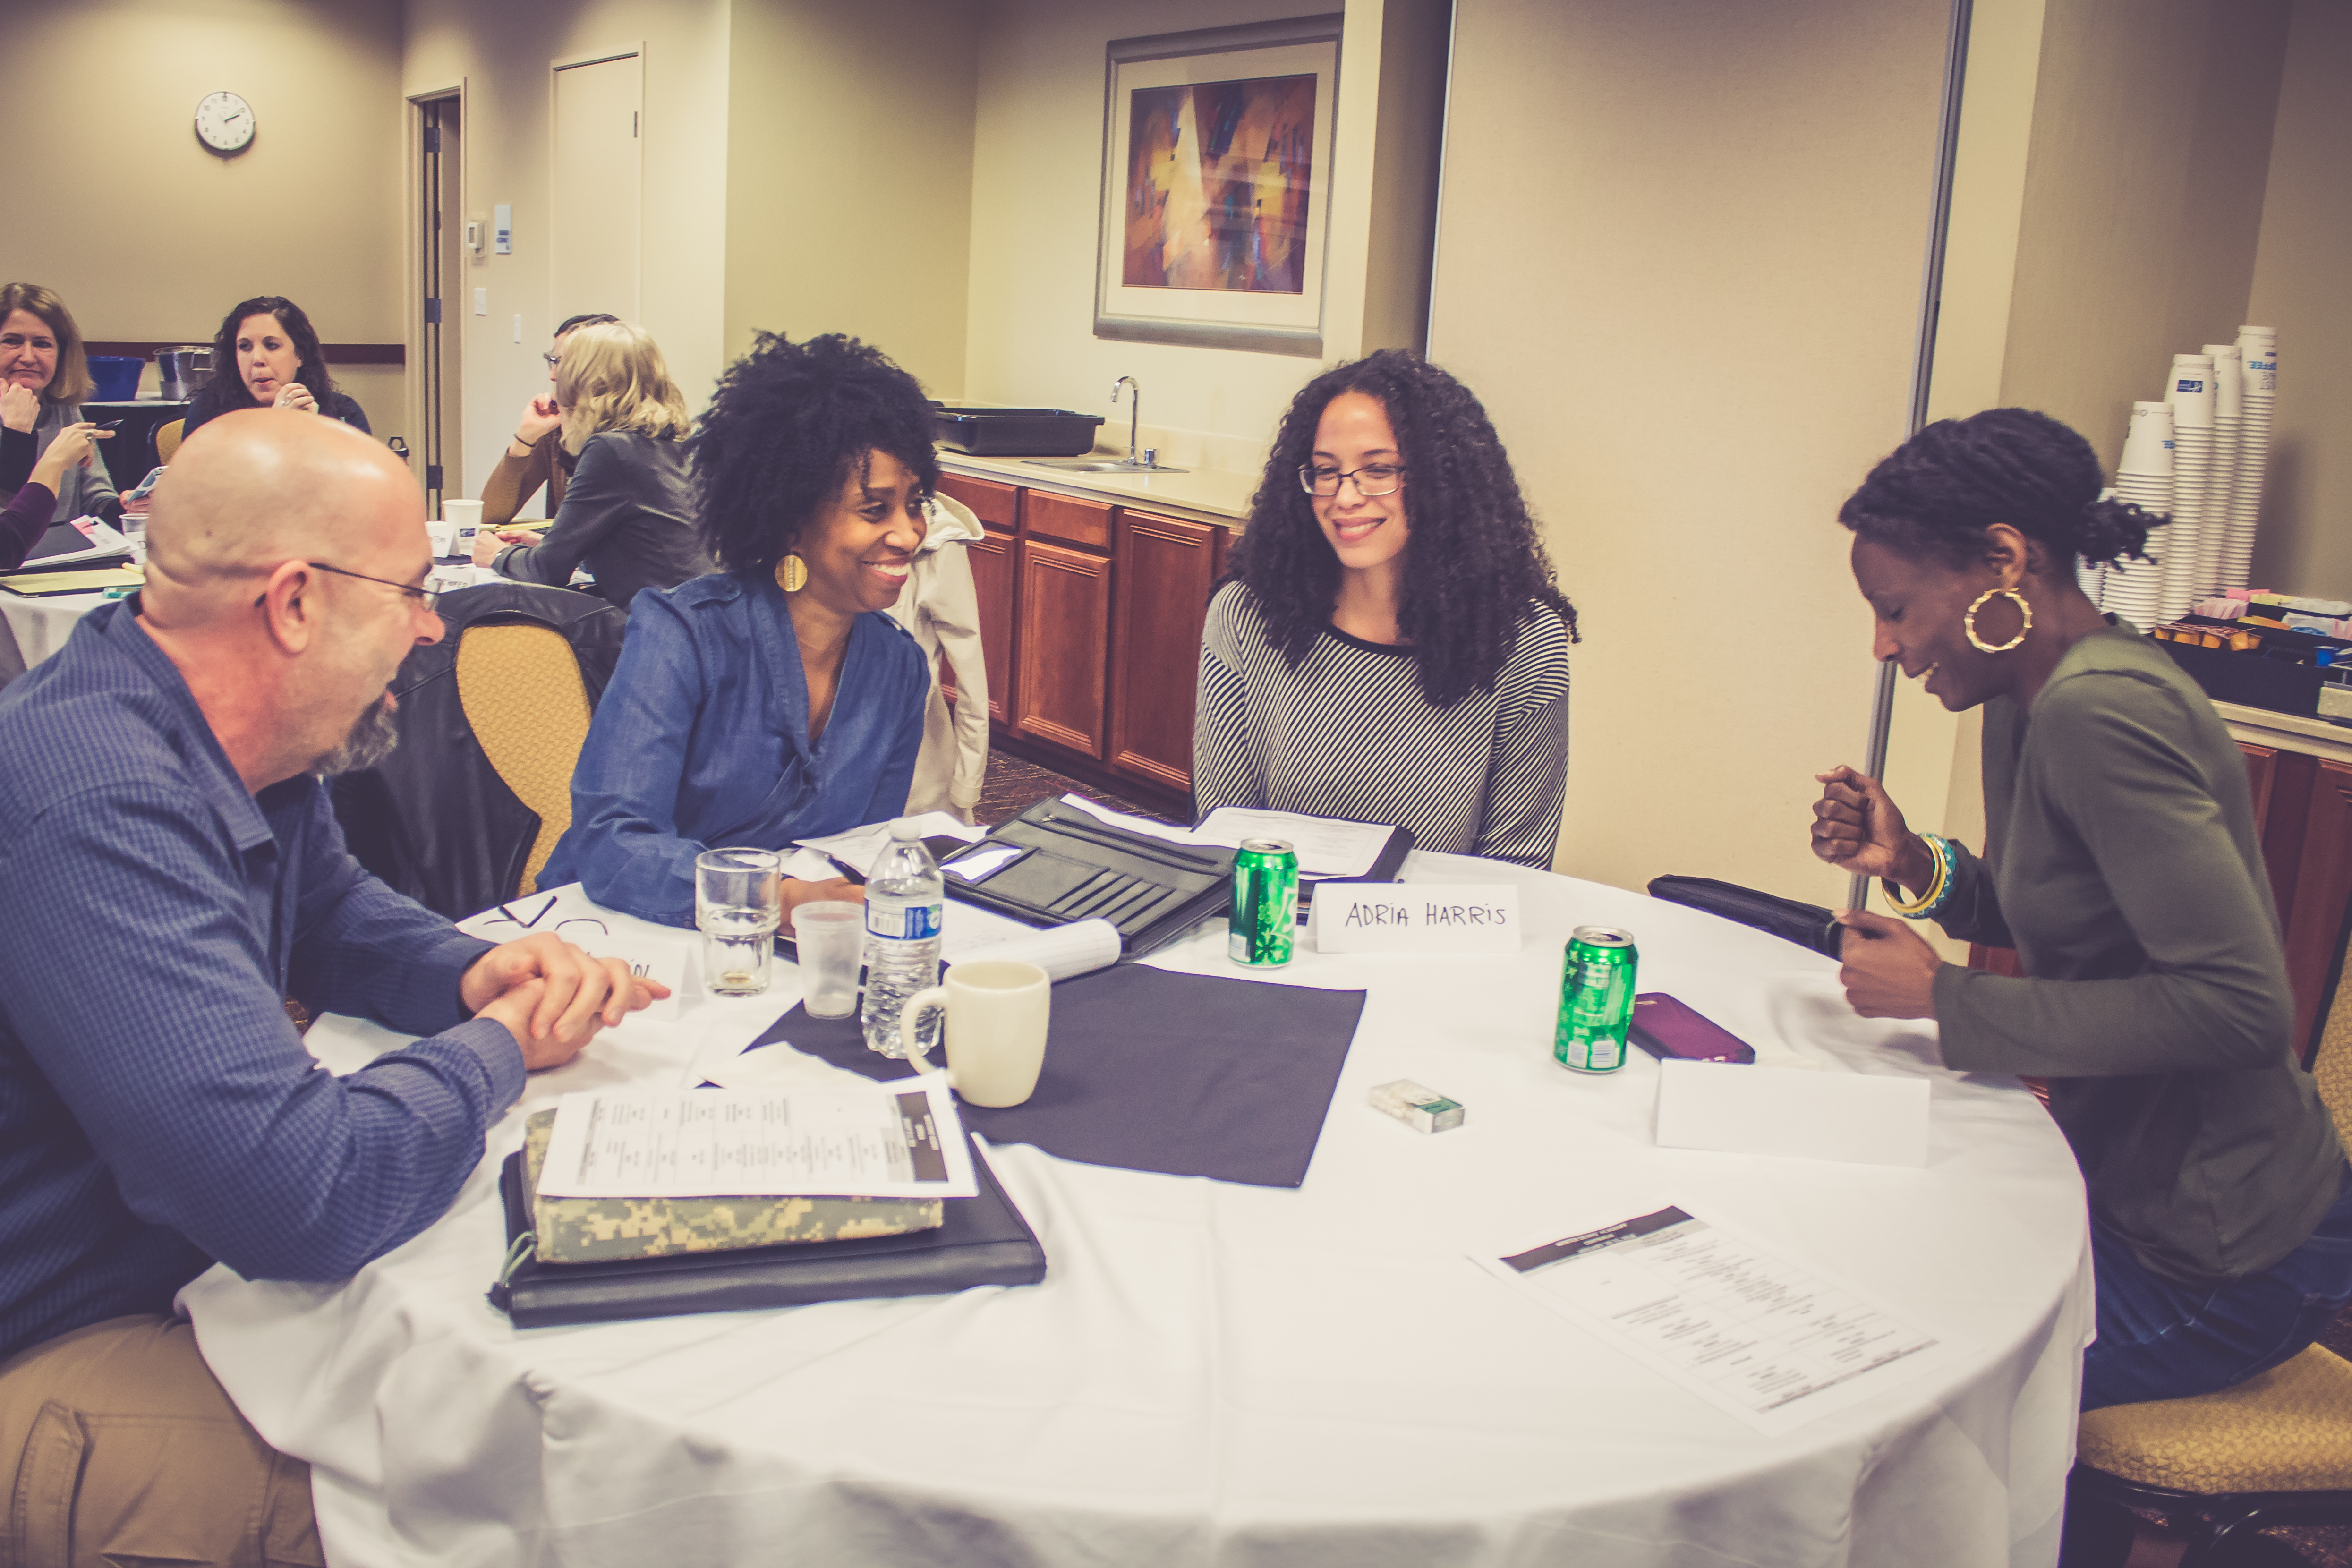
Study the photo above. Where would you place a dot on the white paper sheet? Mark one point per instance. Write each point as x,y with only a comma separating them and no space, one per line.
1794,1112
862,846
1749,1333
1325,847
898,1139
1062,951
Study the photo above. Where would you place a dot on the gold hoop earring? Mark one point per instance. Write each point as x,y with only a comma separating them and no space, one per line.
791,573
1969,621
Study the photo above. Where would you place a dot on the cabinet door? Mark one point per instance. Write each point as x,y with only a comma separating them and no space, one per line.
1064,646
1065,520
2262,773
993,573
1165,567
2322,892
999,506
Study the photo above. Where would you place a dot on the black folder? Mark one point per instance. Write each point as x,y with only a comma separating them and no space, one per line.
1074,866
981,1240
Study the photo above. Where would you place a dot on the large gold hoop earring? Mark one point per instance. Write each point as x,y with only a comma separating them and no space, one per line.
791,573
1969,621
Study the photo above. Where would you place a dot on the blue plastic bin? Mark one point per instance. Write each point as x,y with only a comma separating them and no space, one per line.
117,376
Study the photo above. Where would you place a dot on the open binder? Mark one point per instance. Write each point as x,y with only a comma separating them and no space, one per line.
1073,865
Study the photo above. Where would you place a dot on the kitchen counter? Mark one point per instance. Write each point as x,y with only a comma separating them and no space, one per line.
2288,732
1201,495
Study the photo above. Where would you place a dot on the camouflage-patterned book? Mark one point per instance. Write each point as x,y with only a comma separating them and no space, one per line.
607,1230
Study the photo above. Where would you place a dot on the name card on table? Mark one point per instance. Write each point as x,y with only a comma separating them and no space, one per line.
1737,1109
648,958
1400,917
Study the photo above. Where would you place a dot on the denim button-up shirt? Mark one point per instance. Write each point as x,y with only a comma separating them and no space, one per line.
157,1110
701,741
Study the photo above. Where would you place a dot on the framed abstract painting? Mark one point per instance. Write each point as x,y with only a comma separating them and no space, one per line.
1216,195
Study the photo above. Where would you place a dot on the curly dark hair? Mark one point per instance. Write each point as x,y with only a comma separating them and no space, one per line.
1474,557
1937,493
782,432
226,391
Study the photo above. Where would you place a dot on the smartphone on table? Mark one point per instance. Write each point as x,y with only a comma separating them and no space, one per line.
1668,1028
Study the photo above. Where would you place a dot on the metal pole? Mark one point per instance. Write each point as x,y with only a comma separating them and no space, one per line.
1923,357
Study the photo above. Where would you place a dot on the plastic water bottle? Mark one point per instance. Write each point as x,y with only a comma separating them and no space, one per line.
905,902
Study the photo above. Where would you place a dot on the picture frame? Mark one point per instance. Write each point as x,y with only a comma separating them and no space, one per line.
1217,186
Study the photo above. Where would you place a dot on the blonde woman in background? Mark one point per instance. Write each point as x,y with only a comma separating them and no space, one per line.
44,376
629,513
535,455
940,604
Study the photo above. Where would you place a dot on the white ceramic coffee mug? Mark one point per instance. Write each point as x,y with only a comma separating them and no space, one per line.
996,1014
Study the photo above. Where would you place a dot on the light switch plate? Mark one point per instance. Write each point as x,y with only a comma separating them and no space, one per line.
481,301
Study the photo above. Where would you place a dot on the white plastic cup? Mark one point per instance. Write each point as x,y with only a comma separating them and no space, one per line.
830,937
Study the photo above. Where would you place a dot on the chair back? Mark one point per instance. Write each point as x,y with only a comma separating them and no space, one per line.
167,440
522,693
2331,1064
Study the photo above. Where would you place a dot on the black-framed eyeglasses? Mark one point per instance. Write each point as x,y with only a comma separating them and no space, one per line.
1371,480
432,596
505,912
552,359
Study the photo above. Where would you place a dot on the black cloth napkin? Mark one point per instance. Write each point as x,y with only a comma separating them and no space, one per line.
1146,1070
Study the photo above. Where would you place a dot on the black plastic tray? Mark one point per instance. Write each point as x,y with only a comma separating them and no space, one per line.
1017,432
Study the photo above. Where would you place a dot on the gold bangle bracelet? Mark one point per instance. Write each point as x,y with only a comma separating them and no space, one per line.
1914,908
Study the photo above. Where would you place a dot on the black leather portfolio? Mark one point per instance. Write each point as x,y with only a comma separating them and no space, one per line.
1073,865
982,1240
1792,920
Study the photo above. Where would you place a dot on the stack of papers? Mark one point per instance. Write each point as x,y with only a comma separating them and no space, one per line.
48,584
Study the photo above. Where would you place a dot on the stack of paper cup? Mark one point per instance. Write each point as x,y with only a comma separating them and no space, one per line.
2129,588
2189,389
2258,361
2212,544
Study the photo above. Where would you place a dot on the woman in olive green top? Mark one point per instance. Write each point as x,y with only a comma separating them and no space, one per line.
2121,862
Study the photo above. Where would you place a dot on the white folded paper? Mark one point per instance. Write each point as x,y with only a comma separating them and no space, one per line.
1062,952
1399,917
1861,1119
862,846
1325,847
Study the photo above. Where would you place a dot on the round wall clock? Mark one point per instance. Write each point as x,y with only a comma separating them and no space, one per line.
225,122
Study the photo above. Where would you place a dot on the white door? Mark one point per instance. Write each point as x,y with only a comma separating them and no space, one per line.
594,241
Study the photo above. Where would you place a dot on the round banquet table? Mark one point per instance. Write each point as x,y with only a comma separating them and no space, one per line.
41,625
1214,1373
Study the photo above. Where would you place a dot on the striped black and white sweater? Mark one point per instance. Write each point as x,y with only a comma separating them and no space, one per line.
1346,733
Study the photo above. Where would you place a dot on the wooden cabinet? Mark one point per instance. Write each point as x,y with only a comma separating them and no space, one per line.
1063,647
1066,520
1165,568
993,566
999,506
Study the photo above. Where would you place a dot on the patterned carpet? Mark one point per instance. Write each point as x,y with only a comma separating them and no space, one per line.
1013,785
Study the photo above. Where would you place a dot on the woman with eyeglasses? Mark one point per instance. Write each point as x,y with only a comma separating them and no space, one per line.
1390,646
535,455
776,700
627,512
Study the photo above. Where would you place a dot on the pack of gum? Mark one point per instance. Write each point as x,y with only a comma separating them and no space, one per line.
1422,1110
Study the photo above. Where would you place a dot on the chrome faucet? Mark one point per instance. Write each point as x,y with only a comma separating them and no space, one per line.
1134,413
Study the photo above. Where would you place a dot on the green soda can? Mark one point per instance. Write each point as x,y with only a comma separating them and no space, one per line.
1266,904
1596,999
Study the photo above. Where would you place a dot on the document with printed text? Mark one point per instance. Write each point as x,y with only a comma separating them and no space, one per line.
895,1140
1751,1334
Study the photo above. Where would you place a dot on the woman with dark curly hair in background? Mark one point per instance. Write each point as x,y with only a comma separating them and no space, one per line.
2122,862
1390,645
267,355
774,700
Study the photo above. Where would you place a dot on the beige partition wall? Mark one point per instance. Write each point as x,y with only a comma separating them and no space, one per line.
1679,257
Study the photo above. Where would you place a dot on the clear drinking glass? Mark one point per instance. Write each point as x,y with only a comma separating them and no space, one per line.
738,897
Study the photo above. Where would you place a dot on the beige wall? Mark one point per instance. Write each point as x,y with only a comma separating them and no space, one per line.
2143,199
1694,334
503,56
1035,211
149,237
849,175
2303,269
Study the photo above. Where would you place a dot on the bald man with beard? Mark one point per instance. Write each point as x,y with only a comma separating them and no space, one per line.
167,848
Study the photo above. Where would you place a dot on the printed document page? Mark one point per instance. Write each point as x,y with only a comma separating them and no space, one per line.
895,1140
1751,1334
1325,847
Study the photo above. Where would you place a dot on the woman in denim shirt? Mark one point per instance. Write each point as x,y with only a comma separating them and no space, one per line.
776,699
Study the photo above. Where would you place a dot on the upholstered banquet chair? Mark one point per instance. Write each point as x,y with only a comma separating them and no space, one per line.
2275,1450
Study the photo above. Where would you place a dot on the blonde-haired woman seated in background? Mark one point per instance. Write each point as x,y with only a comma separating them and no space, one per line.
629,513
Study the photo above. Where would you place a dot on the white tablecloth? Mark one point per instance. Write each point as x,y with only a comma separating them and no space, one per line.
42,625
1220,1374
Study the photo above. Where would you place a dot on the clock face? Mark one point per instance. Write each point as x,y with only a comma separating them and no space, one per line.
225,122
